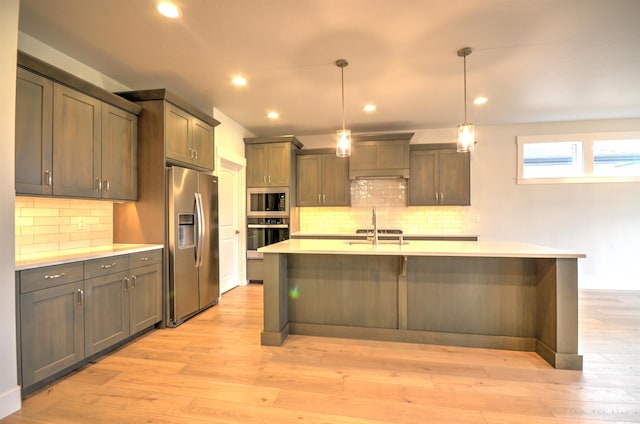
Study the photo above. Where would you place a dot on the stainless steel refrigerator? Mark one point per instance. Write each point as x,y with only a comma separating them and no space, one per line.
192,218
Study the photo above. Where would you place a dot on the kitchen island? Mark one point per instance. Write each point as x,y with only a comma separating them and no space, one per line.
498,295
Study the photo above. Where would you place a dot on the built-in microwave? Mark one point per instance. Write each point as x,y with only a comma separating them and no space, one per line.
268,202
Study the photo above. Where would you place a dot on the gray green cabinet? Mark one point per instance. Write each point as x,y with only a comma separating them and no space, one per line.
439,176
72,312
51,320
173,132
72,139
188,140
268,164
34,126
322,180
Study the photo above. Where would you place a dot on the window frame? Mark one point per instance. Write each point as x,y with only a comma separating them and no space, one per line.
586,140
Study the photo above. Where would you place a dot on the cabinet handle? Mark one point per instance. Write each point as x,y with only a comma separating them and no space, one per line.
264,179
47,178
107,266
98,184
441,197
436,197
324,198
52,276
319,198
125,280
133,281
145,259
107,184
269,179
195,153
80,297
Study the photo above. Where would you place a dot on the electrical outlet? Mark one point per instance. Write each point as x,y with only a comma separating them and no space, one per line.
82,223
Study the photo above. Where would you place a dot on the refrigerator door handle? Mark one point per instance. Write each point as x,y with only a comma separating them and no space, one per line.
201,231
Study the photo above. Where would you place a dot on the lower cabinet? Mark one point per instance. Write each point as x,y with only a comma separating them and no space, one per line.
70,312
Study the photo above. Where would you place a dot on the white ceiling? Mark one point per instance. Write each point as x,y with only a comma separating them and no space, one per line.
536,60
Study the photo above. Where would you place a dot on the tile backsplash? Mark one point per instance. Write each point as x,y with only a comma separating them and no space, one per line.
389,198
50,224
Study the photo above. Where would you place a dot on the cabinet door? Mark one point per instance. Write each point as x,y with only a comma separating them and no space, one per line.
177,134
453,177
423,182
119,154
106,311
256,155
52,330
337,187
202,144
34,114
279,159
146,297
76,143
309,180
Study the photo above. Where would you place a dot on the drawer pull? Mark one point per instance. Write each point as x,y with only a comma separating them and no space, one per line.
145,259
80,297
107,266
52,276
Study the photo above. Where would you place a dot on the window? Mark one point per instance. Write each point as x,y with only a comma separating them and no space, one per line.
570,158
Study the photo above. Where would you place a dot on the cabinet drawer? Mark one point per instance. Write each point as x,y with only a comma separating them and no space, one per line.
149,257
104,266
50,276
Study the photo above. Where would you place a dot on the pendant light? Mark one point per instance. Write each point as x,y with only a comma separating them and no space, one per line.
343,139
466,131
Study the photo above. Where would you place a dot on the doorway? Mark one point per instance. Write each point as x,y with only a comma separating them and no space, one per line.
231,223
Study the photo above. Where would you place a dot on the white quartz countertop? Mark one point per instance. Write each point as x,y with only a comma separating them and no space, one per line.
354,235
73,255
419,248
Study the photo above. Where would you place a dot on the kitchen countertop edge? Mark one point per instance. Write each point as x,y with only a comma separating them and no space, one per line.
83,254
502,249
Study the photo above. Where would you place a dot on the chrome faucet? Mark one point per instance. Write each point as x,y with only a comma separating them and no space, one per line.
374,221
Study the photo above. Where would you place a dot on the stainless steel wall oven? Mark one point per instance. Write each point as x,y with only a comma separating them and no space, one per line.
263,232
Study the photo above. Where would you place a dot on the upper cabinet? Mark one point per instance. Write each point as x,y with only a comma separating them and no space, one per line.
34,126
439,176
322,179
73,139
271,161
380,155
186,133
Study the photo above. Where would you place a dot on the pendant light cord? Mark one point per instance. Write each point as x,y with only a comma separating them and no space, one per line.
342,80
465,89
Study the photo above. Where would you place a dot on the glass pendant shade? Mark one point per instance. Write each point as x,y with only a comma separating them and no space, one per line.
466,137
343,143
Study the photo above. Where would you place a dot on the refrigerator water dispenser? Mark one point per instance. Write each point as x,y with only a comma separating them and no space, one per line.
186,230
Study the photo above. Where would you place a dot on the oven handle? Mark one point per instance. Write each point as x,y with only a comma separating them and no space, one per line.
268,226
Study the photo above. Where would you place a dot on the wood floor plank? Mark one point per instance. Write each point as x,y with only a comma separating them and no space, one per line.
212,369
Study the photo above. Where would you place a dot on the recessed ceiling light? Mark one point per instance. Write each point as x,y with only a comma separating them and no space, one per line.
168,9
238,80
370,108
480,100
273,115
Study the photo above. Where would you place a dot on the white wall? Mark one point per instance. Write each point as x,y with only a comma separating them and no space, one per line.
9,390
599,219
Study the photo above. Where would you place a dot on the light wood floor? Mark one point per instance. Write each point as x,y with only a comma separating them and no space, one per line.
212,369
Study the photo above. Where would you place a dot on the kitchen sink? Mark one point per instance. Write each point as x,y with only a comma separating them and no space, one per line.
371,242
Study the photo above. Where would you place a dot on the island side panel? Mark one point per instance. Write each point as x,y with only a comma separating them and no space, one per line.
474,296
347,290
276,324
557,312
